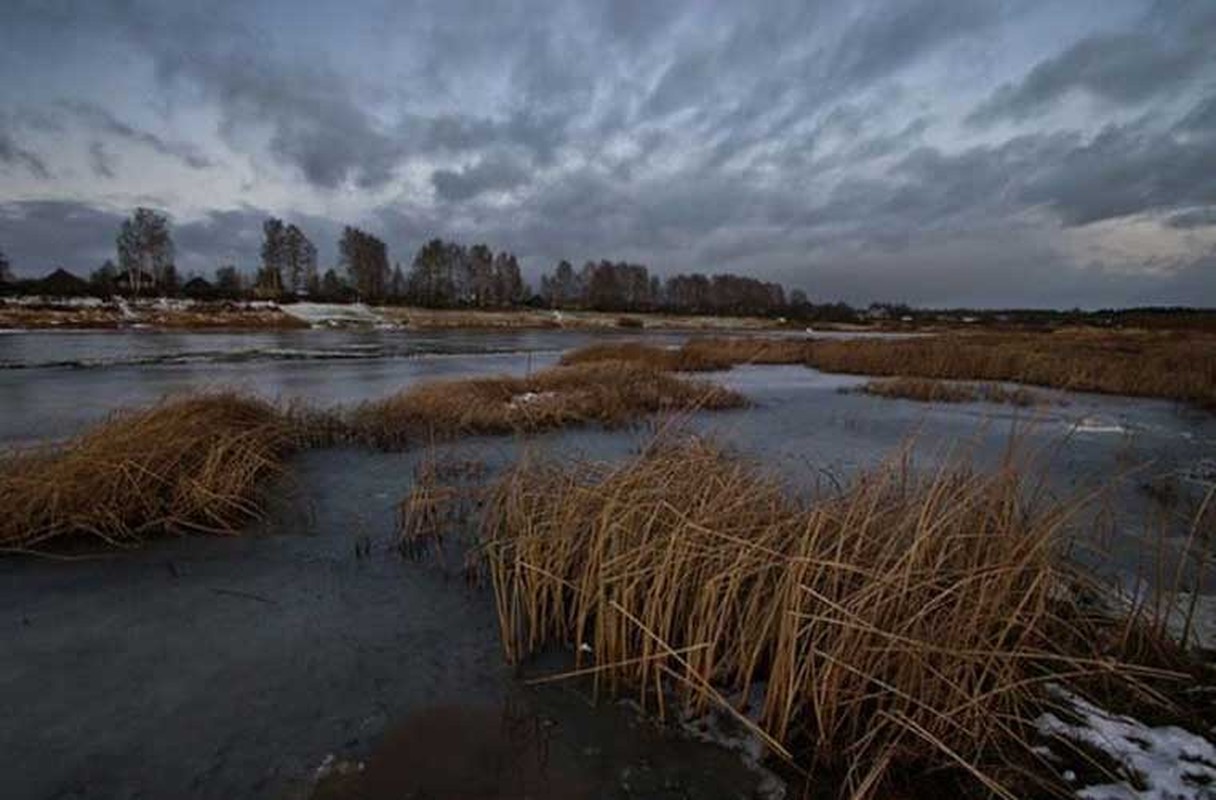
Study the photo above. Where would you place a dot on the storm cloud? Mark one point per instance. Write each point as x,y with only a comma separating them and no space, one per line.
1044,153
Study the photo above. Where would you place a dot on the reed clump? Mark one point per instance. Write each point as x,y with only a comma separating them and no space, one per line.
909,622
189,465
929,390
609,393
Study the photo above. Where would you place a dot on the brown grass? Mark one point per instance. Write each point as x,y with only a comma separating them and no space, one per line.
696,355
609,393
1175,365
757,350
933,391
907,623
183,466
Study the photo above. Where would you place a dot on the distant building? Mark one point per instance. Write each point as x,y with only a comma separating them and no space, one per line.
61,283
198,288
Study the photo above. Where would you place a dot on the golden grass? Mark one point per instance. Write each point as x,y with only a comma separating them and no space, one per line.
195,463
910,622
756,350
187,465
696,355
609,393
1177,366
934,391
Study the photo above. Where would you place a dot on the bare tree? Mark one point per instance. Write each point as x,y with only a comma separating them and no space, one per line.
300,260
274,257
145,248
366,260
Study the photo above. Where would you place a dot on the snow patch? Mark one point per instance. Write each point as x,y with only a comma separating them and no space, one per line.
334,314
1098,425
56,302
1202,472
724,730
1171,763
531,399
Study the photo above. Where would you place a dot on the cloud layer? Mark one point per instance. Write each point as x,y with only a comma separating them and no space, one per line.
1048,153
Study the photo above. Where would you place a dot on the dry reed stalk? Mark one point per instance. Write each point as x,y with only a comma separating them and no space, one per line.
609,393
910,620
446,494
186,465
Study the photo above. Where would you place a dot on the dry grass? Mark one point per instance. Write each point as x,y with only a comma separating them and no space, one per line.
907,623
609,393
1177,366
933,391
188,465
195,464
696,355
756,350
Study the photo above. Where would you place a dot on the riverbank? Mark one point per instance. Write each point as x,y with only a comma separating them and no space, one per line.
49,313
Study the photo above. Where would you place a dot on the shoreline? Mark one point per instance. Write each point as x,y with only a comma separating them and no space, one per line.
89,314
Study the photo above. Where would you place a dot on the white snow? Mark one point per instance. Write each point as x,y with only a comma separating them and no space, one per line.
531,398
333,314
1098,425
61,302
722,729
1170,762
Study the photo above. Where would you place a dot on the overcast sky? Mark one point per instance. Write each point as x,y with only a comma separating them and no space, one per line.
941,153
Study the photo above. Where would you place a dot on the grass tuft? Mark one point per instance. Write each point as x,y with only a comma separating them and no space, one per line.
609,393
183,466
934,391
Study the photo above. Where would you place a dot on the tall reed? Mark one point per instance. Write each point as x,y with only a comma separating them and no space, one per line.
910,621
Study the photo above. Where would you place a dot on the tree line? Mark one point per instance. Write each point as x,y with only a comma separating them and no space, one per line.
442,274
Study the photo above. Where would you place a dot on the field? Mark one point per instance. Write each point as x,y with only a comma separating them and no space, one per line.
1173,365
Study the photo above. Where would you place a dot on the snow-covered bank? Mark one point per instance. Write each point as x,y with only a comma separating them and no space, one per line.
333,315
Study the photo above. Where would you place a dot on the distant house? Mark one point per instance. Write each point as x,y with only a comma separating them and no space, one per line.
61,283
199,288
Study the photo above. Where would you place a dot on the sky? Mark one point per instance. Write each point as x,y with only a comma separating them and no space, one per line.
1022,153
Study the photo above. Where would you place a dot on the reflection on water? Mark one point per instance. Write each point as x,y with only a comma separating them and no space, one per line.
457,751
